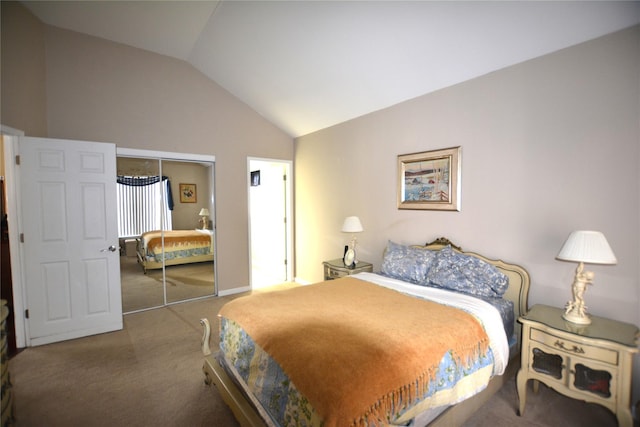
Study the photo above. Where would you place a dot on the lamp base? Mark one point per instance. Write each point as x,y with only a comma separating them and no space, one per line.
353,247
577,317
576,310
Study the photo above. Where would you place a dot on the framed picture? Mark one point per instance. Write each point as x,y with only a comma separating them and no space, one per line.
188,193
255,178
430,180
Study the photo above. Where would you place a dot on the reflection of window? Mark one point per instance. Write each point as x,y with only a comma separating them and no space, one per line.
598,382
550,364
144,204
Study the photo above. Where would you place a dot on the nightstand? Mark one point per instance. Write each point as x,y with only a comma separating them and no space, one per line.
335,269
587,362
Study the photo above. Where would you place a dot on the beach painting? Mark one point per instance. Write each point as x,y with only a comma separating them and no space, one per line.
429,180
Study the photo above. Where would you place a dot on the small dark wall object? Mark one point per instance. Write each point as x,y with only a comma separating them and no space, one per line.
348,258
255,178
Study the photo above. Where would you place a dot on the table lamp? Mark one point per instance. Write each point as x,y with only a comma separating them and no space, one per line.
204,213
352,225
583,247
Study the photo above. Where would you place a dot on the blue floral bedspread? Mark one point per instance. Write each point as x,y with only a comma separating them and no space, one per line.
267,382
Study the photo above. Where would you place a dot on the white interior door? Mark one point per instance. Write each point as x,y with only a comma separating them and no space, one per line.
70,256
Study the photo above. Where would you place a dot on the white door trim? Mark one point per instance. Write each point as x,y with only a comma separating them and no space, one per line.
132,152
15,225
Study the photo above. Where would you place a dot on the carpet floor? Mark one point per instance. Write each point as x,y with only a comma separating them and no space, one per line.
142,291
149,374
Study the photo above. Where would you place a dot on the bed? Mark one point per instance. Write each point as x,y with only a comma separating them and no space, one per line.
174,247
301,356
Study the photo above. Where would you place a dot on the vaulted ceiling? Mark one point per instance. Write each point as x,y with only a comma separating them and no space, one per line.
307,65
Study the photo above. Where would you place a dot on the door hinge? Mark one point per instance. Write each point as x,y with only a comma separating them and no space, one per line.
21,237
26,313
17,159
284,177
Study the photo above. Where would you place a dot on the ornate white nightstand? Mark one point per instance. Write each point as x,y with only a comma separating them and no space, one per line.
591,363
335,269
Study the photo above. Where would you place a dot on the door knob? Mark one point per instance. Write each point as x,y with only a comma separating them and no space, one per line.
110,249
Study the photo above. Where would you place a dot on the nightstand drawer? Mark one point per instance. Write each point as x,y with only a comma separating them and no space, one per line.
336,269
574,347
330,273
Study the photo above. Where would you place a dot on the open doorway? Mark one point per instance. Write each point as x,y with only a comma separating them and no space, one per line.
270,224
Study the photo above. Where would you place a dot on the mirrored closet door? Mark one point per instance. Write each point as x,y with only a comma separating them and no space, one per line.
166,227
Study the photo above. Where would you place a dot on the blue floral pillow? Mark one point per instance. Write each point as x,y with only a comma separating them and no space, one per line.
467,274
407,263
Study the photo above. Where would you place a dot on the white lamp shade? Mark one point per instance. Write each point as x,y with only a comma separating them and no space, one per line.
204,212
352,224
587,246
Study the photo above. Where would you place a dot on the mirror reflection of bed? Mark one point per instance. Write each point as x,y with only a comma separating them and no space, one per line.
158,283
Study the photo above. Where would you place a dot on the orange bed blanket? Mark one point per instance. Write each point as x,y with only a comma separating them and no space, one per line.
173,240
355,349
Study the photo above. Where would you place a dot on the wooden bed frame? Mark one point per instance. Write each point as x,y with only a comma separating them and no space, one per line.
247,413
154,265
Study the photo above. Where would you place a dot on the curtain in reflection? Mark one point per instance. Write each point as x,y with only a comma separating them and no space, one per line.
140,204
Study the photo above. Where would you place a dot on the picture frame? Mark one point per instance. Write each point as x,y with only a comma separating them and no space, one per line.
255,178
430,180
188,193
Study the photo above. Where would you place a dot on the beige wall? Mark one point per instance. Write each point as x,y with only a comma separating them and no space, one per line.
102,91
548,146
185,215
22,70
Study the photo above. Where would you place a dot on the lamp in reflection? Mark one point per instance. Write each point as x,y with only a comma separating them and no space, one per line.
204,220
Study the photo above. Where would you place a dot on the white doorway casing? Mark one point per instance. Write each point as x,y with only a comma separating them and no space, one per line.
270,223
12,182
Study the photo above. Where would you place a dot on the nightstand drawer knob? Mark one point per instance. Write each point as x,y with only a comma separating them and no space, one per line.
575,348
